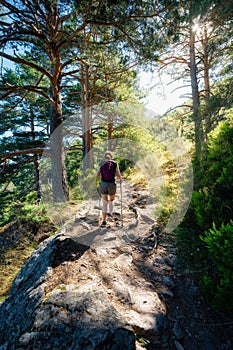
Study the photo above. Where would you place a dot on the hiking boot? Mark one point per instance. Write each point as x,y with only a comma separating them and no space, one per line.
110,217
104,224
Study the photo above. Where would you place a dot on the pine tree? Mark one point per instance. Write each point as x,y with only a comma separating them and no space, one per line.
54,31
22,129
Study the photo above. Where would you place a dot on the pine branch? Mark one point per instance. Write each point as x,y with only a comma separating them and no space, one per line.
24,152
31,64
15,89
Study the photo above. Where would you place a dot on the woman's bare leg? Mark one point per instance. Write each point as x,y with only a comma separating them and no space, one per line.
110,200
104,206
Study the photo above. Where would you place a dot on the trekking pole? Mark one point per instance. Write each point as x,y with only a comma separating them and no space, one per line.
100,214
99,197
121,203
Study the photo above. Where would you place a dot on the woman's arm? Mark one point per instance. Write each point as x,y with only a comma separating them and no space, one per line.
98,172
118,173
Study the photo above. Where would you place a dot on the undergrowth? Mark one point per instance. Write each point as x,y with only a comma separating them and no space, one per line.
17,241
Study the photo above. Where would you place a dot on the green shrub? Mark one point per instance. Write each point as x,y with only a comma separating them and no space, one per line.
125,164
31,197
217,285
24,211
208,248
33,212
203,206
212,201
192,251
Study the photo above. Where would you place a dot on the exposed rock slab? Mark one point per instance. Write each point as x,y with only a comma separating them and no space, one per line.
81,289
41,314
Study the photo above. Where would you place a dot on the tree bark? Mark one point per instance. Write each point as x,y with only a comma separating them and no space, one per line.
110,131
86,120
36,163
195,96
37,178
59,176
57,154
206,78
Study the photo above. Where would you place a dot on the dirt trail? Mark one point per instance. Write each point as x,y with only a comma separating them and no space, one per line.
147,256
137,268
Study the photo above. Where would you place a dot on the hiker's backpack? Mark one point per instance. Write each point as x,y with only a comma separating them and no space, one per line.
108,171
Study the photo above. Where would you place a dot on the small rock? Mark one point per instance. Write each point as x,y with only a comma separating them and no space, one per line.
145,323
170,260
26,338
168,282
178,345
194,290
85,225
177,331
159,260
123,259
168,293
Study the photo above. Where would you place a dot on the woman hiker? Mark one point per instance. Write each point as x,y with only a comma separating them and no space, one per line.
109,170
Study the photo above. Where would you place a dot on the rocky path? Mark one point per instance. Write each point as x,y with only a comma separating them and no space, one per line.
150,287
148,276
87,288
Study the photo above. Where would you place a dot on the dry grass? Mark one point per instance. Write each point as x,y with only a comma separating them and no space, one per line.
19,239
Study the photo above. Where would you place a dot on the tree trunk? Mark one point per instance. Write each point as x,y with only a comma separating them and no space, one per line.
37,178
36,163
206,78
59,178
86,120
110,131
195,97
